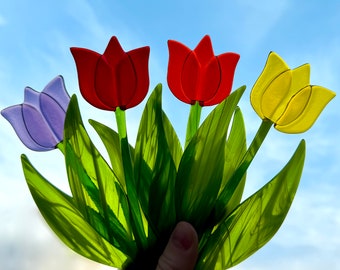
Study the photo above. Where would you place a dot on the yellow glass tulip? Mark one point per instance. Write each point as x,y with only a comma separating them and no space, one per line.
285,97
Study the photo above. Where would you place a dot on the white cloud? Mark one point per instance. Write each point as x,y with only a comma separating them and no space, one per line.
83,14
257,19
96,30
2,21
25,248
308,239
26,242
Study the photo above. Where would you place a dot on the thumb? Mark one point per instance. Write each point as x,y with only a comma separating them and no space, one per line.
182,249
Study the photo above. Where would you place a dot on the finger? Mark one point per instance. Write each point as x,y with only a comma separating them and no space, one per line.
182,249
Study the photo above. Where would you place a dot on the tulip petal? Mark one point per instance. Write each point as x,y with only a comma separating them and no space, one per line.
208,81
177,56
56,90
106,85
54,101
86,62
107,79
31,97
14,115
53,114
295,106
140,60
201,73
198,75
115,72
319,98
299,80
190,77
227,63
275,66
38,128
125,75
112,80
114,52
273,96
204,51
39,121
126,79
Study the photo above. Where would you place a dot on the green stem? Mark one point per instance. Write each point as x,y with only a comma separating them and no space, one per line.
121,123
136,216
193,121
61,147
256,143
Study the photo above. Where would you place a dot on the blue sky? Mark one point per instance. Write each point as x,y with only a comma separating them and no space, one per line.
35,37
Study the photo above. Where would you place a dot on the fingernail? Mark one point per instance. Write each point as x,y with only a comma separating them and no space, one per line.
183,237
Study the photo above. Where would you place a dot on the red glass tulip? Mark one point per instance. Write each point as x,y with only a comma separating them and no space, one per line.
115,78
199,75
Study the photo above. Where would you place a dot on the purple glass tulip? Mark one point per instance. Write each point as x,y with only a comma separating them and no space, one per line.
39,121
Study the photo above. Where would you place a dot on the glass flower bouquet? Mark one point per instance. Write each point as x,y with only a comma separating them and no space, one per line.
122,211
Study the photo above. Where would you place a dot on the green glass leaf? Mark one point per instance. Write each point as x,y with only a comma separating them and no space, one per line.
93,184
61,214
110,139
99,215
200,171
235,149
173,141
236,179
256,220
234,152
155,168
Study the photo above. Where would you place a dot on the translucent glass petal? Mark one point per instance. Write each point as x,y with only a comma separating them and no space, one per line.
140,59
177,56
31,97
204,50
114,52
14,115
319,98
300,79
37,127
56,90
295,107
126,81
54,115
273,96
86,62
190,77
105,85
273,68
209,81
227,63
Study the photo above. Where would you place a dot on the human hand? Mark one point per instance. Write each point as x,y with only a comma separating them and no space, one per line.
182,249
